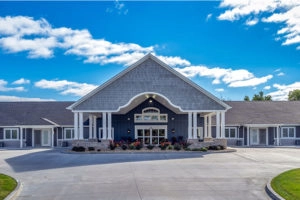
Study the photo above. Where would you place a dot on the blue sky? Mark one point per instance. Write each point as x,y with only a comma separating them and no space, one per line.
62,50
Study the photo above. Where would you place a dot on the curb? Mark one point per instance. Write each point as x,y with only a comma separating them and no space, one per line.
271,192
152,152
14,194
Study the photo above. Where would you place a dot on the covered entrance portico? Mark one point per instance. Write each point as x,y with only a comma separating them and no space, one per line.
135,105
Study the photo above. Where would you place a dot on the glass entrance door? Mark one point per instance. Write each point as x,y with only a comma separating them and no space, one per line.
254,136
46,138
258,136
151,134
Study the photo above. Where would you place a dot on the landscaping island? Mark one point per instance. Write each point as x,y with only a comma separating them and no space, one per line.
287,184
7,185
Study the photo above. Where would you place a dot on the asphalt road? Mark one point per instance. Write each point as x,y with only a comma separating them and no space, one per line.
50,174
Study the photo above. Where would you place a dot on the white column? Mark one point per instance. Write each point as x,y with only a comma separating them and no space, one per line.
209,126
104,125
21,137
32,138
76,125
95,127
90,126
52,137
248,136
195,125
81,126
205,127
278,135
109,126
189,125
223,125
218,125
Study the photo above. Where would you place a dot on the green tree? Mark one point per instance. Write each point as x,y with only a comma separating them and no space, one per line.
259,97
294,95
246,98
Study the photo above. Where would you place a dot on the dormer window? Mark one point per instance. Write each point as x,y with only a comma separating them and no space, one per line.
150,114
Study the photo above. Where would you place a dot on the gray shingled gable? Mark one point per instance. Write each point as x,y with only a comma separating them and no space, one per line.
32,113
149,75
263,112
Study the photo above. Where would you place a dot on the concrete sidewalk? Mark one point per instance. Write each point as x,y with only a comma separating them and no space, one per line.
49,174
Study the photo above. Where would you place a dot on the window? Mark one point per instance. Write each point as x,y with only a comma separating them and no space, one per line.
230,132
150,114
288,132
11,134
69,133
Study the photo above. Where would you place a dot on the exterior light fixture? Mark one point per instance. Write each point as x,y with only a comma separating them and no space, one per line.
173,130
128,131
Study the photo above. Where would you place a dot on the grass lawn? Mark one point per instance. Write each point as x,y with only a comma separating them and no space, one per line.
7,185
287,184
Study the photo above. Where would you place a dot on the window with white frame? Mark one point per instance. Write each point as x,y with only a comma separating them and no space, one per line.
150,114
11,134
69,133
288,132
230,132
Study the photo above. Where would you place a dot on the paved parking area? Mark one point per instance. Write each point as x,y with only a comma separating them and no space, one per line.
49,174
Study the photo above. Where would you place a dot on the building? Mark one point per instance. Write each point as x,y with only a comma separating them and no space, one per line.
149,101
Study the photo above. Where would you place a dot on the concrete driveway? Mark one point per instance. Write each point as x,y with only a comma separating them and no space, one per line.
49,174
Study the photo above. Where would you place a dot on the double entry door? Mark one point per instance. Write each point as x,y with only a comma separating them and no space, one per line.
258,136
151,134
42,137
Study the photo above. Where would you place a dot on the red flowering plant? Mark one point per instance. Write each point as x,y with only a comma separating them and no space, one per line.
164,144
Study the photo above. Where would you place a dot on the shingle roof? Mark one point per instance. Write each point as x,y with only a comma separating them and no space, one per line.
149,75
263,112
32,113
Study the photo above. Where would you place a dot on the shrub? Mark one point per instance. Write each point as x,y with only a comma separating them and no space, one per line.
203,149
174,140
112,145
187,149
131,146
75,148
124,146
177,147
91,148
164,145
138,146
78,149
150,147
170,147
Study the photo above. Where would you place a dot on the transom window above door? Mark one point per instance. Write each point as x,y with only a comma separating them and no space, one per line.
150,115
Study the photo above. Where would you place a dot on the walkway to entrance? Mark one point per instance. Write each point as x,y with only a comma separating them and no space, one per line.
48,174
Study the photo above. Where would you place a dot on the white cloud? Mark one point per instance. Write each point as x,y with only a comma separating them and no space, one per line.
4,88
21,81
267,87
66,87
286,12
250,82
219,90
118,7
280,74
40,39
283,90
252,22
174,61
15,98
233,78
208,17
